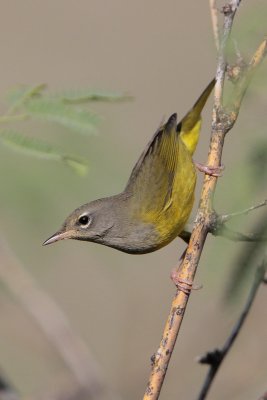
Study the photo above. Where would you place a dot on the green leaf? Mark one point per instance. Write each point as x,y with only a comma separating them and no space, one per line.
19,95
18,141
86,95
76,163
40,149
50,110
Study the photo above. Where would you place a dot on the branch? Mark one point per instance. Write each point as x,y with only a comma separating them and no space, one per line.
221,124
216,357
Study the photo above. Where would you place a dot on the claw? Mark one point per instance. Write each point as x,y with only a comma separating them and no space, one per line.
183,285
212,171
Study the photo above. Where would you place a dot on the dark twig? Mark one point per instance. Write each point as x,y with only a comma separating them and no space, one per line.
216,357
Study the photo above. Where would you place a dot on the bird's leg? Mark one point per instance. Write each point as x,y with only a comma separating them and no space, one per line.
183,284
213,171
185,235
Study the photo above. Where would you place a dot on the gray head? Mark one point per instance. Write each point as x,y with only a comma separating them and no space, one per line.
89,222
110,222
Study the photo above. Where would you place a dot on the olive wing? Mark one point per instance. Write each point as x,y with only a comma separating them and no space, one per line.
154,176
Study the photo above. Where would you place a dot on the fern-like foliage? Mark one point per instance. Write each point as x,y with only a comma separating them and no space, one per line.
32,102
40,149
76,119
89,95
19,95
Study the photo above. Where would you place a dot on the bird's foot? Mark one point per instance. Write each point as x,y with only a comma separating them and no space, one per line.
212,171
183,285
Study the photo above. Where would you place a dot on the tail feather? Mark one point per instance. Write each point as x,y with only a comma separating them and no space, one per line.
191,123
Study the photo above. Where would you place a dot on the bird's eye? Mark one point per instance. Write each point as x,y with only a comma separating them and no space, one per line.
84,220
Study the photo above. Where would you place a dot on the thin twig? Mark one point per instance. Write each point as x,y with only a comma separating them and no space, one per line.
216,357
227,217
214,21
221,123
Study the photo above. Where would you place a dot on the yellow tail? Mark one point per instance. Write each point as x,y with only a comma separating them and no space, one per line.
191,123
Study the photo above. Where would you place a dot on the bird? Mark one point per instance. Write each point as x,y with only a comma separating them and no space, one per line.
157,201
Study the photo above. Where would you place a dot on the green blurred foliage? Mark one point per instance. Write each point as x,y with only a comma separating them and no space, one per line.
31,102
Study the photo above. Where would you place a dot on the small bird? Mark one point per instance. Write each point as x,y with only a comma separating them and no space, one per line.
158,198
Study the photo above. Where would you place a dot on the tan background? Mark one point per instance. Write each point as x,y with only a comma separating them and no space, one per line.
162,52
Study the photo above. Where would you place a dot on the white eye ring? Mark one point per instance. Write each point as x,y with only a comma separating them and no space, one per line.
84,221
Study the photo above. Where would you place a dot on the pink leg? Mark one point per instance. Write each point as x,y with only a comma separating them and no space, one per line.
213,171
183,285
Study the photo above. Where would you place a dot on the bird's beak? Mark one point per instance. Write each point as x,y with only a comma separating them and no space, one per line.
58,236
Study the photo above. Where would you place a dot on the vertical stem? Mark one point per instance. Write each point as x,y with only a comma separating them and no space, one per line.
188,267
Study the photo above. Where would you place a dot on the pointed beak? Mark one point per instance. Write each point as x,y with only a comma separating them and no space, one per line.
58,236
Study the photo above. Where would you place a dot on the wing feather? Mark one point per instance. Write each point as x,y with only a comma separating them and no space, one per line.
154,176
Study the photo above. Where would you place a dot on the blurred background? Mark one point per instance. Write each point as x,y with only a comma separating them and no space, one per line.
163,54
